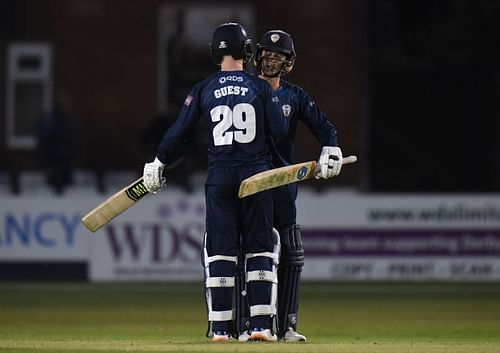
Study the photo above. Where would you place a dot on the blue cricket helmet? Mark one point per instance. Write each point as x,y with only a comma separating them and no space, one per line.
230,39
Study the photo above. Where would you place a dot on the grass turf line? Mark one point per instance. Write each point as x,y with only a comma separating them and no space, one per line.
170,317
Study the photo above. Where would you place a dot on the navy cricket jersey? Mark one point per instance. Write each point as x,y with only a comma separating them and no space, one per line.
297,104
241,113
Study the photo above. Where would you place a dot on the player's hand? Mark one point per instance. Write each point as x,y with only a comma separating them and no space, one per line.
329,163
153,176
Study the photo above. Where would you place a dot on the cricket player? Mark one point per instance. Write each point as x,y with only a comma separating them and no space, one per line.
241,114
275,57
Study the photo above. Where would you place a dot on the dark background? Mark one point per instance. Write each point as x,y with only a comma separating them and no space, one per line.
411,85
434,96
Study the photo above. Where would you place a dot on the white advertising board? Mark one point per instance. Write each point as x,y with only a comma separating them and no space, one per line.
346,236
34,229
160,238
400,237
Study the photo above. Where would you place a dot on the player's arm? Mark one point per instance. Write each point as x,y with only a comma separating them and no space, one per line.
187,118
330,160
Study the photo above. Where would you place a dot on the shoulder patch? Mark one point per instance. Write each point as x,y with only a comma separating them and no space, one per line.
188,100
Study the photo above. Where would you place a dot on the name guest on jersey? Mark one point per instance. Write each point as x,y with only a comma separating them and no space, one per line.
230,90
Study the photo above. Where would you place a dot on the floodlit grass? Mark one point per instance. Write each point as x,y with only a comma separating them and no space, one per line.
170,317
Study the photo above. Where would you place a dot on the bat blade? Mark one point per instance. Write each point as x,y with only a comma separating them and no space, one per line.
114,205
274,178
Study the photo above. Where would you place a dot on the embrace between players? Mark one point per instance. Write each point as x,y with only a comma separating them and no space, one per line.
252,251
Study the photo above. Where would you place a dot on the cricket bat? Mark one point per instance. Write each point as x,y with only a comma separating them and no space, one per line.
119,202
274,178
114,205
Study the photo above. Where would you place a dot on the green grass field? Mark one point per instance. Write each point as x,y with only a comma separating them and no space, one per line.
170,317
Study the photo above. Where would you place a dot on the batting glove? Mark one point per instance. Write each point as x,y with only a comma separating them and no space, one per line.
329,163
153,176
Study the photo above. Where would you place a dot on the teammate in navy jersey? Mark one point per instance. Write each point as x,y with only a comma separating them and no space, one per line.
241,114
275,57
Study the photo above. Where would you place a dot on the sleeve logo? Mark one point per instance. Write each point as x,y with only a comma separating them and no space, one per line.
188,100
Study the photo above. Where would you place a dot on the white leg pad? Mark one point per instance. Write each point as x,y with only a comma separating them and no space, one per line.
269,276
216,282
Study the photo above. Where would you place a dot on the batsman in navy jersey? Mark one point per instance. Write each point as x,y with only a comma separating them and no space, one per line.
242,114
275,57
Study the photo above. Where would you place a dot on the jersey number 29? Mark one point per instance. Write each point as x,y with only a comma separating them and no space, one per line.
242,117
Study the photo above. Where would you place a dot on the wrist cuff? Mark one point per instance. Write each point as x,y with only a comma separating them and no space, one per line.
157,161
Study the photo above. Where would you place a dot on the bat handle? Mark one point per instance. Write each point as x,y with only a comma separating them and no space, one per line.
349,159
345,160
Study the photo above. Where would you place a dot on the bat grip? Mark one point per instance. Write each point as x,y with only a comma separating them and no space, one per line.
349,159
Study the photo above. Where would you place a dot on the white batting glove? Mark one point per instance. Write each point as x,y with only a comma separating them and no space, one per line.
153,176
329,163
